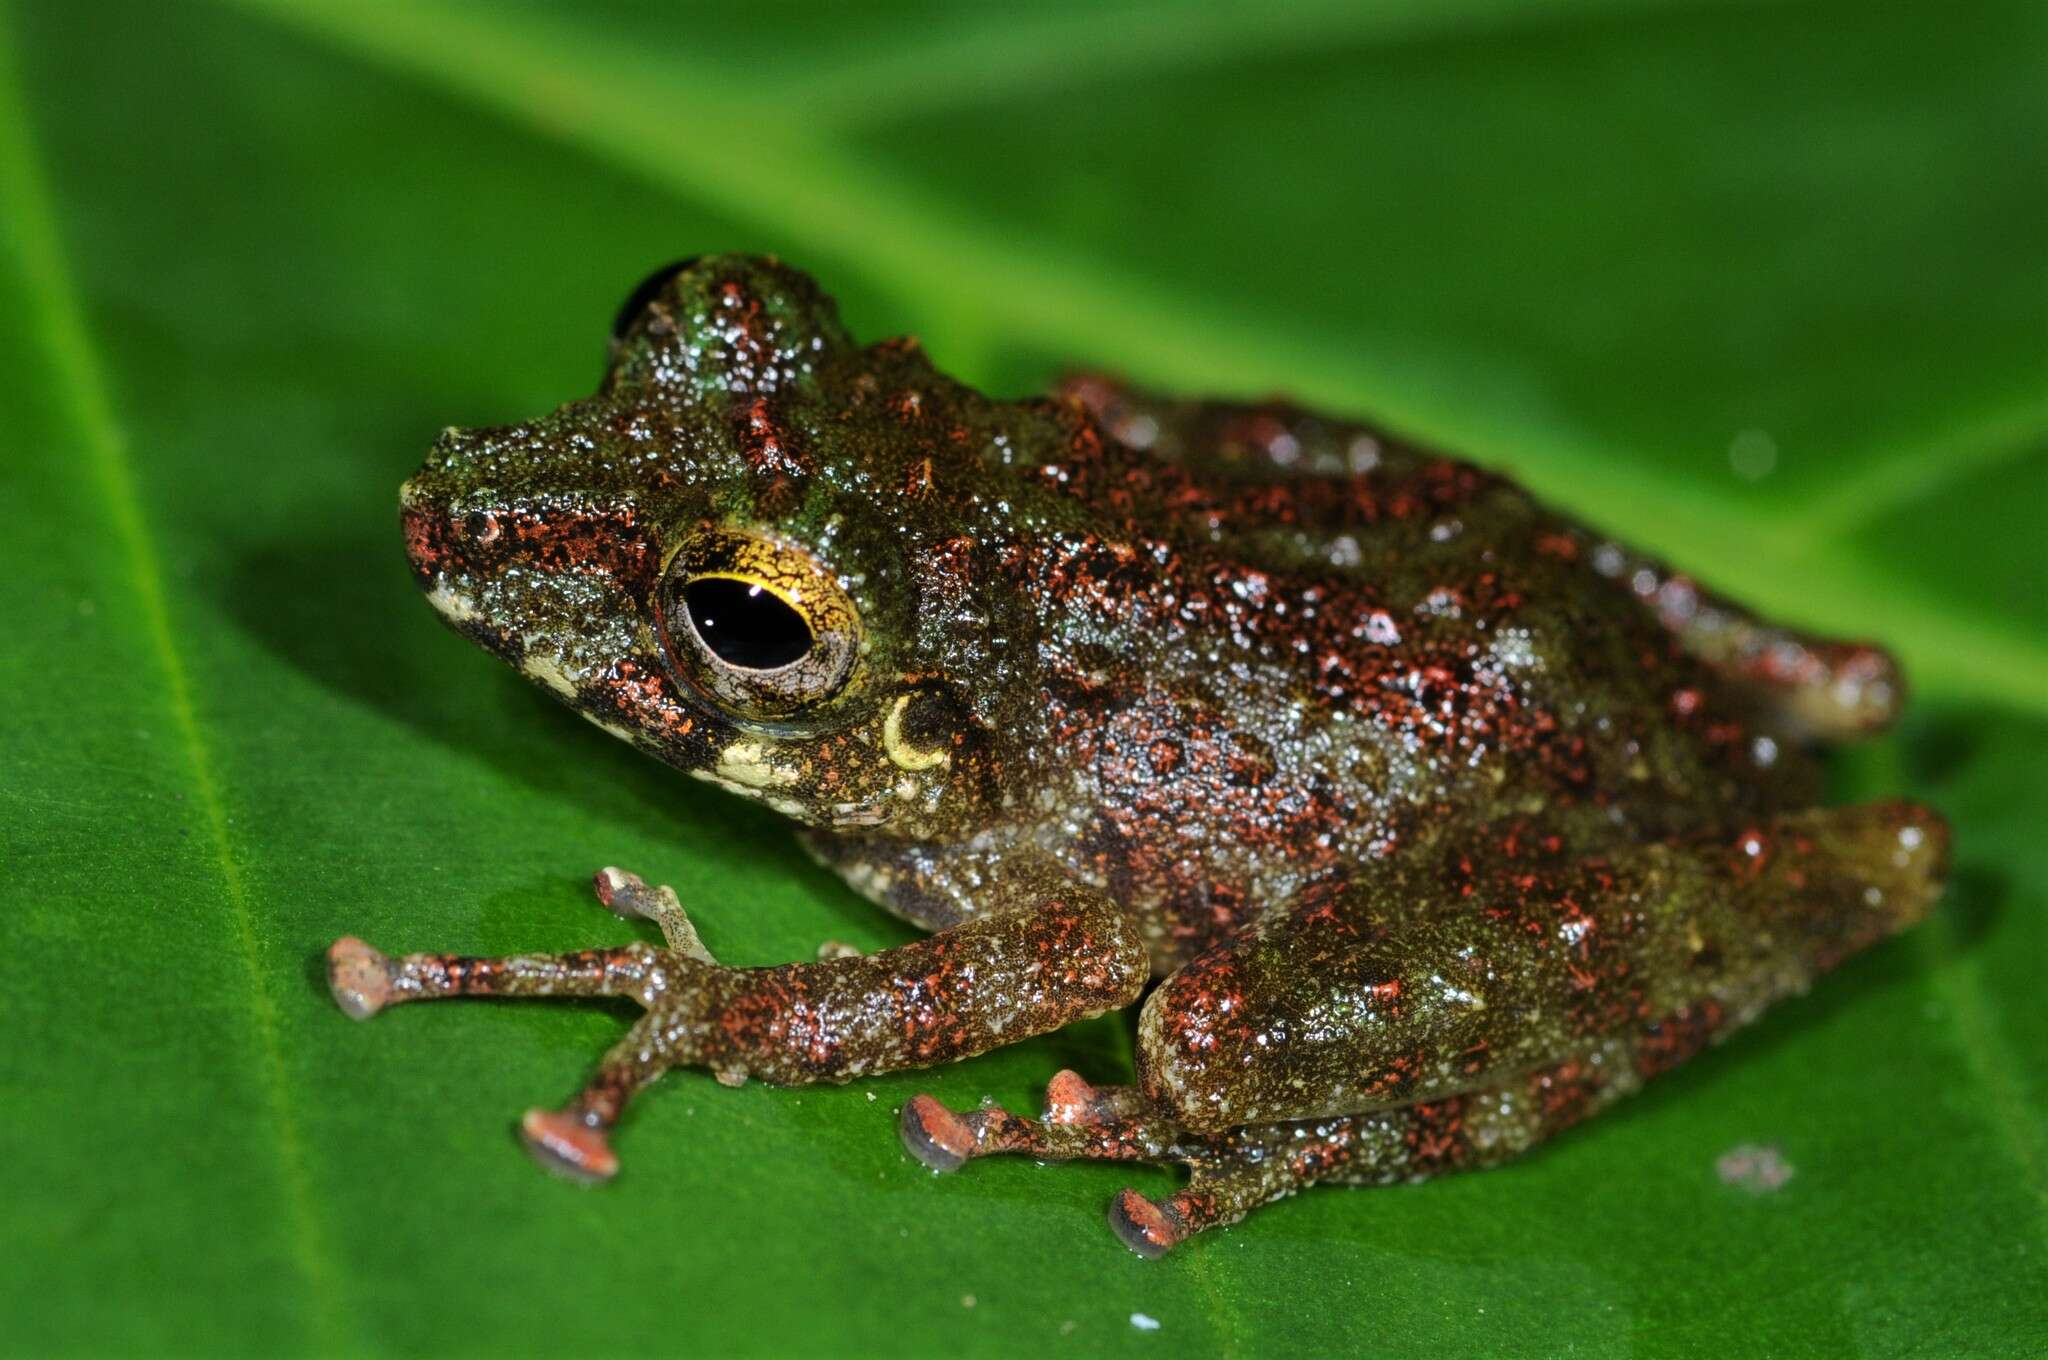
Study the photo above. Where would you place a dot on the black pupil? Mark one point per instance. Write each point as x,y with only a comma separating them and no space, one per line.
744,625
649,288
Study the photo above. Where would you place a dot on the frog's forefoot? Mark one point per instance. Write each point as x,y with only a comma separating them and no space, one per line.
359,977
573,1146
627,894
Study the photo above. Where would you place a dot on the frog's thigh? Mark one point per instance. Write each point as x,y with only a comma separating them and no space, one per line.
1504,962
1327,1011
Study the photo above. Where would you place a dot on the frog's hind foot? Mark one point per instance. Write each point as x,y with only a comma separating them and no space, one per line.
1078,1121
1823,688
1230,1172
1217,1194
1069,1099
1099,1124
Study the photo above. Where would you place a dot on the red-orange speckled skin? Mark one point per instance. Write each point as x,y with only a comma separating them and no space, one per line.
1437,819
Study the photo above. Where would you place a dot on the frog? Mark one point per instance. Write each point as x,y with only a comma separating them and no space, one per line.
1414,821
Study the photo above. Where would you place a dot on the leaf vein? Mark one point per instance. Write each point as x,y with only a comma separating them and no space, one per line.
77,380
1923,468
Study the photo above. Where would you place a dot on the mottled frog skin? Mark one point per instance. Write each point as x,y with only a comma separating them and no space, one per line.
1424,821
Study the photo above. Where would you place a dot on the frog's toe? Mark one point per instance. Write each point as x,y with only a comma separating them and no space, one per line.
1070,1099
935,1135
627,894
623,893
359,977
568,1146
1145,1226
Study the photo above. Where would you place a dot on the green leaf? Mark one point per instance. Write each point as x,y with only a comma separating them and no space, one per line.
1758,286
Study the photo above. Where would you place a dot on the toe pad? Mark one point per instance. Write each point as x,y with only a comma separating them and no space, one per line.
358,977
935,1135
567,1146
1144,1227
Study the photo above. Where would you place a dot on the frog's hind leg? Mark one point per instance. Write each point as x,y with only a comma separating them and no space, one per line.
1823,687
1364,1045
1237,1171
1513,951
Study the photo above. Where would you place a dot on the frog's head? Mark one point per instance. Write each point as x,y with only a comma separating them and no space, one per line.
766,555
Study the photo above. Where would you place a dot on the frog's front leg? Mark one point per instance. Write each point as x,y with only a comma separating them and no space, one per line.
1050,954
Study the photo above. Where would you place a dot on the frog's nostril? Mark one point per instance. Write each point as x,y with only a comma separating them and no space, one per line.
480,526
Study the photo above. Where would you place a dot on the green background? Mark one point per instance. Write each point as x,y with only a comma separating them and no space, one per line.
1760,286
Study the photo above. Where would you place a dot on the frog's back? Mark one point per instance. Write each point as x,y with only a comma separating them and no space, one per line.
1268,677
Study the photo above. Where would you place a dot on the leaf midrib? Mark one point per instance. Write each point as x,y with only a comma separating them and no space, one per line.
76,379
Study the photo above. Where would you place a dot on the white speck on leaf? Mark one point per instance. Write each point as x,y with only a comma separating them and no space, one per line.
1145,1322
1752,453
1757,1169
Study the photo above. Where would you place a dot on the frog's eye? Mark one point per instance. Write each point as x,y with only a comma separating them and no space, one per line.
756,624
645,292
745,624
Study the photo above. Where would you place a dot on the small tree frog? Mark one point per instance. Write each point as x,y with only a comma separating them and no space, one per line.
1423,821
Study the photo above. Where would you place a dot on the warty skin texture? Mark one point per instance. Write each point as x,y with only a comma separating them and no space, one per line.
1435,820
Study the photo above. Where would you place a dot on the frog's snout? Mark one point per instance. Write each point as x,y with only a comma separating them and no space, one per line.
450,548
441,551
